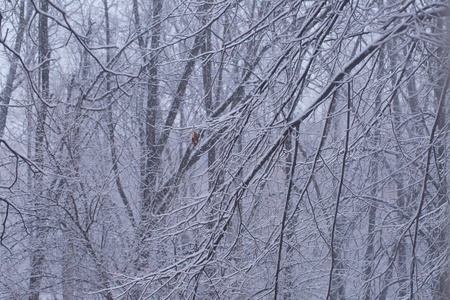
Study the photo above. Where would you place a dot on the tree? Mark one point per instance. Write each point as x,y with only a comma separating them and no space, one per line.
226,149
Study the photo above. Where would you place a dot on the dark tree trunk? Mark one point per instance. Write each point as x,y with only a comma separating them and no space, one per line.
37,257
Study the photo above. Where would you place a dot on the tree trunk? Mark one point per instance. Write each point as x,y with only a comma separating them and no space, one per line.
5,95
373,175
37,257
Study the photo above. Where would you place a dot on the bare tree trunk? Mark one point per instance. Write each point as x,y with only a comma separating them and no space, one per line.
111,126
373,175
401,201
208,98
337,283
5,95
443,240
441,250
68,270
291,174
37,257
152,157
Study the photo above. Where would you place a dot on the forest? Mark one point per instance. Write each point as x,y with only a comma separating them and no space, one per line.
224,149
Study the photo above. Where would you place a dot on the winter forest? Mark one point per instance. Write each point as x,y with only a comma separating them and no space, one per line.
224,149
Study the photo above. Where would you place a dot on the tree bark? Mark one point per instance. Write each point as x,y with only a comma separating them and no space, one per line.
38,256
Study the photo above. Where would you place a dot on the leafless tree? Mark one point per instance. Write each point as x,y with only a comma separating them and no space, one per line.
225,149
